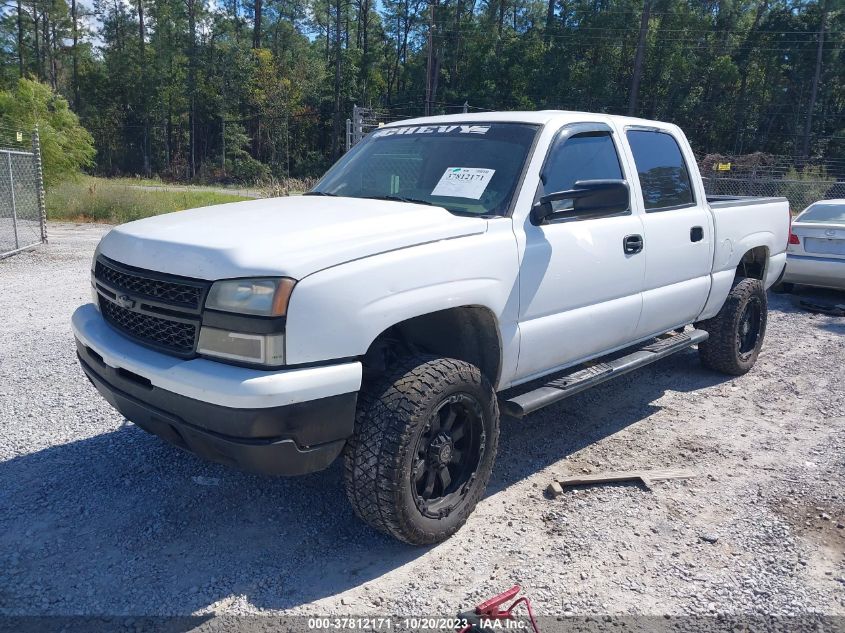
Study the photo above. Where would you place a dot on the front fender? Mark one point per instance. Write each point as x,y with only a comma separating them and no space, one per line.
338,312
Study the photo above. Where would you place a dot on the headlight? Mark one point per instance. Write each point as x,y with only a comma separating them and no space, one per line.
266,349
262,297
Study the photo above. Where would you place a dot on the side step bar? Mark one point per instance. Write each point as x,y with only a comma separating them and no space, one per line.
583,379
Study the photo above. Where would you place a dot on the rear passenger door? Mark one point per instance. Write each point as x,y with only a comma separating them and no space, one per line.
678,231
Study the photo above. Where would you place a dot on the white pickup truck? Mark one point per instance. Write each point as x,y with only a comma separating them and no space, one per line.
440,261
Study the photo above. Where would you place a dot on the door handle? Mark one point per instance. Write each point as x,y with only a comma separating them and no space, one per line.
632,244
696,234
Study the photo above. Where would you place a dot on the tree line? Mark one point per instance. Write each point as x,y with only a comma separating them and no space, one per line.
248,89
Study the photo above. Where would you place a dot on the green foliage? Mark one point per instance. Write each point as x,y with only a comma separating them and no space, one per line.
102,200
736,75
66,146
240,166
246,170
805,186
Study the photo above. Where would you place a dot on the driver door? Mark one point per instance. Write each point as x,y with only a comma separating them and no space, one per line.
580,286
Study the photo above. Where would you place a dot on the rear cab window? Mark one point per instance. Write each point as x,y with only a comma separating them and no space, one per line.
662,170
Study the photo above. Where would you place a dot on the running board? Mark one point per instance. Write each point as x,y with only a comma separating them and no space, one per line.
593,375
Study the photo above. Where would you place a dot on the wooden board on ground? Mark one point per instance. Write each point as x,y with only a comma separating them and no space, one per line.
646,477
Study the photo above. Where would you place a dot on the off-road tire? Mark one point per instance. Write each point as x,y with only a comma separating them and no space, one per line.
393,413
721,352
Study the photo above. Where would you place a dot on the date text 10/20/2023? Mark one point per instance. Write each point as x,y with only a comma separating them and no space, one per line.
416,624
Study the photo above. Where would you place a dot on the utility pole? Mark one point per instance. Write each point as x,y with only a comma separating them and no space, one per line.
142,64
191,6
21,62
808,124
287,144
75,59
256,31
429,79
337,77
638,59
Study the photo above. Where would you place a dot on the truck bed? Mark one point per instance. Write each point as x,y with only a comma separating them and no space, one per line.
721,202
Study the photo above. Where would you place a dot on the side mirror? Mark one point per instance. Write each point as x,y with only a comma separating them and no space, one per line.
589,197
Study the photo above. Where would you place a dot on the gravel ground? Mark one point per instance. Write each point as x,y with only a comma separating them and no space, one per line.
98,517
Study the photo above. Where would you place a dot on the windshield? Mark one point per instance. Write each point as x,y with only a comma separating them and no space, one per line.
468,169
822,213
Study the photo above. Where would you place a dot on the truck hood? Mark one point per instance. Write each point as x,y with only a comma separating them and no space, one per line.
290,237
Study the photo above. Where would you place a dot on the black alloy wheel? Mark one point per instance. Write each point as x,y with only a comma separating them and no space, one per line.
447,455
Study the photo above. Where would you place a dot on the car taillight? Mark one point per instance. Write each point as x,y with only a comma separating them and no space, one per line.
793,239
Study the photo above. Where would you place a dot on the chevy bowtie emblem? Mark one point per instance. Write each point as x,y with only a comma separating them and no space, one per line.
125,301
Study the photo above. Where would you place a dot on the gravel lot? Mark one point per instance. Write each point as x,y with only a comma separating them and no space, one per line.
98,517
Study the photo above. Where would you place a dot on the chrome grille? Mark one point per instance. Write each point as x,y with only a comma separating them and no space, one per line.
175,336
173,292
158,310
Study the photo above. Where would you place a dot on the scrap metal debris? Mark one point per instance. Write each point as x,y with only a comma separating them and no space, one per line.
645,477
489,616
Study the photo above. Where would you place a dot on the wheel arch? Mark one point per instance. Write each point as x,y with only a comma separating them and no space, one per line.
753,264
470,333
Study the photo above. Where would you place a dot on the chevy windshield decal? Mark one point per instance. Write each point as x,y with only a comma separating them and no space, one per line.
432,129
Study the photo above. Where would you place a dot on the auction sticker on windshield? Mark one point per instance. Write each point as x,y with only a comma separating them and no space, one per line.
463,182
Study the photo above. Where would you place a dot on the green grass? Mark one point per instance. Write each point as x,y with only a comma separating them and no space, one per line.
102,200
126,180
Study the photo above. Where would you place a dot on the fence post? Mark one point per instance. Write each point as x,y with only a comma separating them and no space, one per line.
357,124
348,134
39,181
12,197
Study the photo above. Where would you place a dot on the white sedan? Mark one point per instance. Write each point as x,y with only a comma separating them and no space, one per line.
816,252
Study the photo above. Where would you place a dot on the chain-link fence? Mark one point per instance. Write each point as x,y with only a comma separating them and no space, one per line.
365,120
22,214
800,193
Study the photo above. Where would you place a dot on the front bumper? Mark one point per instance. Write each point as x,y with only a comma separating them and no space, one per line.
280,422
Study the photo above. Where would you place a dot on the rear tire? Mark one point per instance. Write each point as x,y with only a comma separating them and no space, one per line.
423,448
737,331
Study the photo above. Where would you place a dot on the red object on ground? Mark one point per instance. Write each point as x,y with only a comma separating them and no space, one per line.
490,609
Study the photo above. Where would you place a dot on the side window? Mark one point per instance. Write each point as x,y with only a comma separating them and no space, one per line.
586,156
663,173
